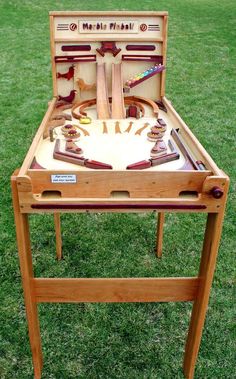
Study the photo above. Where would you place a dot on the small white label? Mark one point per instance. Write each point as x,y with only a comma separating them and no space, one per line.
63,178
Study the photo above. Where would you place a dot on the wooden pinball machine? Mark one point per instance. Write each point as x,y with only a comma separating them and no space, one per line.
110,141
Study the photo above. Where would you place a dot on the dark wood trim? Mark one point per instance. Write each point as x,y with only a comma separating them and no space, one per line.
100,206
142,58
190,162
140,47
76,48
75,58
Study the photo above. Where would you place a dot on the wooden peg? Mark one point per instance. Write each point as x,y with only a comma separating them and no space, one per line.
117,127
51,134
86,133
139,131
129,127
52,125
105,127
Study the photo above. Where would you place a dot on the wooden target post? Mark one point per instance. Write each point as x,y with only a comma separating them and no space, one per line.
183,178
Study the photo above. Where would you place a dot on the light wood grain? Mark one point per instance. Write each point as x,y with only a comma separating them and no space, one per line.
115,289
24,251
103,107
108,13
118,107
38,136
57,223
192,140
108,37
53,53
160,226
206,273
140,184
164,54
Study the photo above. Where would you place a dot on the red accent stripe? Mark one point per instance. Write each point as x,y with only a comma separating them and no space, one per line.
140,47
118,206
76,48
143,58
75,58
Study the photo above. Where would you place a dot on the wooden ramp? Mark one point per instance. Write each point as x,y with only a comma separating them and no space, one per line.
103,108
118,107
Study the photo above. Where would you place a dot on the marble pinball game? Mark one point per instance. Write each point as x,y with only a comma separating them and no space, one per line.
110,141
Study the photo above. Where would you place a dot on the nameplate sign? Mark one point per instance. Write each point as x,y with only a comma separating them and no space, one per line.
108,26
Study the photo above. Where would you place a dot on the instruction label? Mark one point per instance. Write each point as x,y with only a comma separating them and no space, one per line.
63,178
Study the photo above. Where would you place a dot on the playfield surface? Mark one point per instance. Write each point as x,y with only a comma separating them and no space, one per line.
109,341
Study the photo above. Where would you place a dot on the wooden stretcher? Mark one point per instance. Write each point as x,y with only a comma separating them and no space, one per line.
61,176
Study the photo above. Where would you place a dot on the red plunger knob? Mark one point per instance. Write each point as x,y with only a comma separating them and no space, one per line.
217,192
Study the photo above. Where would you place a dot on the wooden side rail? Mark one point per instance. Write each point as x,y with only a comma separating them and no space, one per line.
117,290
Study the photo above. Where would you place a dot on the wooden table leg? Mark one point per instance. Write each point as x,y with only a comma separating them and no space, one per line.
24,251
57,224
206,272
160,225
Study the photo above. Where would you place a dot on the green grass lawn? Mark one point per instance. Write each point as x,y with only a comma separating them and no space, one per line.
111,341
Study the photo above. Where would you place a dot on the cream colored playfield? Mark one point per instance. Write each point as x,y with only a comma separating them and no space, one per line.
110,141
118,149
